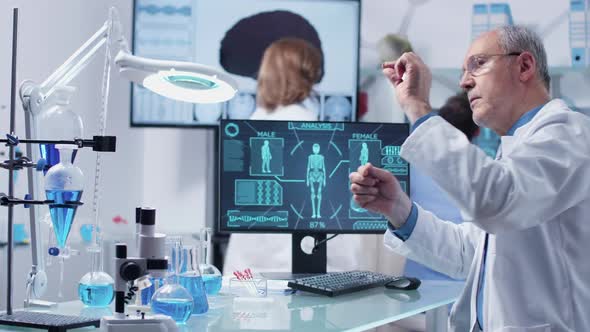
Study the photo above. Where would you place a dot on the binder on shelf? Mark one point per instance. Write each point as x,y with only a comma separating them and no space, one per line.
578,32
500,15
479,20
489,16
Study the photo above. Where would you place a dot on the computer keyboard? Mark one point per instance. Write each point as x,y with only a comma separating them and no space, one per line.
338,283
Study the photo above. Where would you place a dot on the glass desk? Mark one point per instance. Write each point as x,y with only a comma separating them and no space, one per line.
357,311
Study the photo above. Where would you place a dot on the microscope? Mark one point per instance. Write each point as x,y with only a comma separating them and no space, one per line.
152,260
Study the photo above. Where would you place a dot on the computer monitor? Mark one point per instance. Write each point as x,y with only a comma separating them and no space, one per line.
231,35
293,177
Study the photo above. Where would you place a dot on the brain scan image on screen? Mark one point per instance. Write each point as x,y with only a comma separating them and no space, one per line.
337,108
243,45
241,106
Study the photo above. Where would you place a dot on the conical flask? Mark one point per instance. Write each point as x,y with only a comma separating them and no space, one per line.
211,275
191,280
64,184
58,122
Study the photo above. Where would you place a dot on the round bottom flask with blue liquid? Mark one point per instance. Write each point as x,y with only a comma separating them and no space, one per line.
96,288
173,300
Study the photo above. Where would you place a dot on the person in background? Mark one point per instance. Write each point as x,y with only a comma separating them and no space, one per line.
290,67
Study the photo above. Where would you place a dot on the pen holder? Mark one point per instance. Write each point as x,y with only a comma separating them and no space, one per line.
255,287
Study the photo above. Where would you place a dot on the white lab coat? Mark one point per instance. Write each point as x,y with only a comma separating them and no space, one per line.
272,252
535,204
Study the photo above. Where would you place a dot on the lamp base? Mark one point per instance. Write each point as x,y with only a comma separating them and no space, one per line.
151,323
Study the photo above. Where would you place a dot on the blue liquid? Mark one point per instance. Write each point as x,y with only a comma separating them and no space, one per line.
195,286
147,293
212,284
62,215
179,309
96,295
51,155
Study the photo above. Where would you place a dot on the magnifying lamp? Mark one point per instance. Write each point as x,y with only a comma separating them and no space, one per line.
183,81
176,80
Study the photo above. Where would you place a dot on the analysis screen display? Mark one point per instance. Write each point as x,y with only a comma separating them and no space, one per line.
280,176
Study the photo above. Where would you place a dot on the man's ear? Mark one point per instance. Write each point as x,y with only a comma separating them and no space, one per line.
527,66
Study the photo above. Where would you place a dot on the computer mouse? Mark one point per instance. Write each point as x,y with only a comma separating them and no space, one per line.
404,283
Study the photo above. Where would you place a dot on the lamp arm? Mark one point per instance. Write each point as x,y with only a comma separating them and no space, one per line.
34,95
75,63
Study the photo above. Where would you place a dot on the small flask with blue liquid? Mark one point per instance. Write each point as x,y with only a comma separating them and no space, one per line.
96,288
211,275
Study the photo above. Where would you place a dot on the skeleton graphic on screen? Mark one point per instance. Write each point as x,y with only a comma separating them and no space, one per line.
316,176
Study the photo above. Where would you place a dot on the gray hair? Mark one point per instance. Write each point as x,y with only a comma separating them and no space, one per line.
514,38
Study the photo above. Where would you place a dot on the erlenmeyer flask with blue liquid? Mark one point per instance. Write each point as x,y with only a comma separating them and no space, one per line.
211,275
191,280
58,122
64,184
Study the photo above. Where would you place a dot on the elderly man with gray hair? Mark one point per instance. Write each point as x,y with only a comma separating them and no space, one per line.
523,247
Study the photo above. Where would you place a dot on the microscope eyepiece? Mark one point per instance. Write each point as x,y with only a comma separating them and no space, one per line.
137,215
147,216
121,250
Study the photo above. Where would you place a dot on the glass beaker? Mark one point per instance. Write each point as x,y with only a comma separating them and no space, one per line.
191,280
211,275
172,299
58,122
96,288
64,184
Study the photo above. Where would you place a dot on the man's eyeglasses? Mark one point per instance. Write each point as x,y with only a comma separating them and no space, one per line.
476,63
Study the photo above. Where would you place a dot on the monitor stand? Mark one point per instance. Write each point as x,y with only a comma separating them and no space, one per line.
303,264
